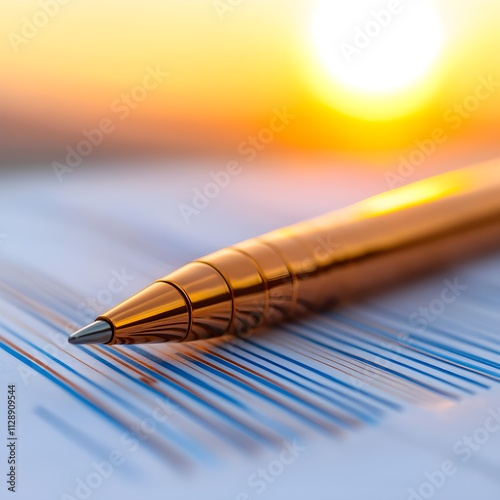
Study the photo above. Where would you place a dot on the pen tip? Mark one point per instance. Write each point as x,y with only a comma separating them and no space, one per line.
98,332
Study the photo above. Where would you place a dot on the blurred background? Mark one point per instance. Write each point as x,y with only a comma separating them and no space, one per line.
401,87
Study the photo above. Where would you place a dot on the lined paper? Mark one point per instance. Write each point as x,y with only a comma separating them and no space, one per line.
344,387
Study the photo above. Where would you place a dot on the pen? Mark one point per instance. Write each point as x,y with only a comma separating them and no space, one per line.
315,264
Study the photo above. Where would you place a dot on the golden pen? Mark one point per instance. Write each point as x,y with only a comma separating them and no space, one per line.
314,264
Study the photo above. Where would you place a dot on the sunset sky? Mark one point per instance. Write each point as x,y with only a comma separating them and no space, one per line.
358,81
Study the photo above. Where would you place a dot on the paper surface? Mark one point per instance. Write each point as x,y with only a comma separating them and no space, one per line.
397,397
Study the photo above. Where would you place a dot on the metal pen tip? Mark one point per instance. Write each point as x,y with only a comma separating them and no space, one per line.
98,332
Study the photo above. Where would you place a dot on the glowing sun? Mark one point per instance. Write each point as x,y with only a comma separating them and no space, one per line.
373,59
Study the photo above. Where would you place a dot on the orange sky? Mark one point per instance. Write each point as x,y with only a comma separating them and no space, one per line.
229,65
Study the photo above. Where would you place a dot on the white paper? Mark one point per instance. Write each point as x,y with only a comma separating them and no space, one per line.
374,401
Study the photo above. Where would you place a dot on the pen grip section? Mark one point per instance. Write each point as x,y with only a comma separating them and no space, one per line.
279,281
322,271
236,290
247,286
209,299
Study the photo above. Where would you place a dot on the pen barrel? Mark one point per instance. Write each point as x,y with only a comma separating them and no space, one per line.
318,263
342,255
399,234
